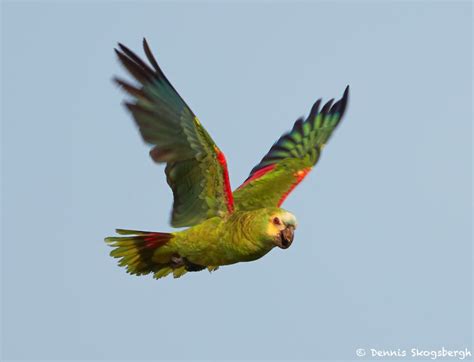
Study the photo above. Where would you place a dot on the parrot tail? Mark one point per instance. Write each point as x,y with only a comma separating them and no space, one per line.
136,249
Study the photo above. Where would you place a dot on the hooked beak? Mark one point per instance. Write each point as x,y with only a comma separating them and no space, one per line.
286,237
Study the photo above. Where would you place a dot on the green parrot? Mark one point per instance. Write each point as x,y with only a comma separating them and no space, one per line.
224,226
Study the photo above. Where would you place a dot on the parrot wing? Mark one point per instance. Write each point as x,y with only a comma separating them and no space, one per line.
291,158
196,169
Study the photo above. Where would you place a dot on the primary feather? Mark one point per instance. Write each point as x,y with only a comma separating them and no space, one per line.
290,158
195,168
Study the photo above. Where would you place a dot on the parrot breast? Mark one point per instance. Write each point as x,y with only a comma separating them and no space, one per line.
223,241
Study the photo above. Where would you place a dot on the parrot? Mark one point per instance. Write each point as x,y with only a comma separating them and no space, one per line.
219,226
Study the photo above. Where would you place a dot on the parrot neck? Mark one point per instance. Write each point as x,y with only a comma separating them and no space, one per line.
247,240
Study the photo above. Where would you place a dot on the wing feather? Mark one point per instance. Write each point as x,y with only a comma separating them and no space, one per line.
291,158
194,168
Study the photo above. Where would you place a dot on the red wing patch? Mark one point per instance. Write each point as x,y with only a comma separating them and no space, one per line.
299,176
258,174
153,240
225,175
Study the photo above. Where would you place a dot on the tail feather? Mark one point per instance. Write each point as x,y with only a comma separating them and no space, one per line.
163,272
136,250
132,232
179,272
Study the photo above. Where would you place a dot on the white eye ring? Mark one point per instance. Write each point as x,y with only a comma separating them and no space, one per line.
276,221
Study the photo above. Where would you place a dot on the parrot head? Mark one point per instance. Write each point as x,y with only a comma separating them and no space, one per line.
281,228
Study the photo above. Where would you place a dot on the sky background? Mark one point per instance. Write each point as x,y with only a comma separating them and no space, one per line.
383,254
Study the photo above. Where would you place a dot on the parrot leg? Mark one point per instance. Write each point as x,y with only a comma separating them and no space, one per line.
178,261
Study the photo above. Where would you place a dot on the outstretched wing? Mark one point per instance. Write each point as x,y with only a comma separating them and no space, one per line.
196,169
290,158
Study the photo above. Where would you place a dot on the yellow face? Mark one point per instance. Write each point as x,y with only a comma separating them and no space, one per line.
281,227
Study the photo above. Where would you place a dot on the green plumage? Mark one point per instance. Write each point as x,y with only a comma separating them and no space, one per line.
226,227
296,151
166,122
215,242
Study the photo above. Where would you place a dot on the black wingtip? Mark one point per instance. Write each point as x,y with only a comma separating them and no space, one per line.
327,107
298,125
315,109
343,101
345,96
134,64
145,44
151,58
117,81
123,47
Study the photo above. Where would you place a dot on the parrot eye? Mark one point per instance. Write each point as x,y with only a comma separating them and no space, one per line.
276,221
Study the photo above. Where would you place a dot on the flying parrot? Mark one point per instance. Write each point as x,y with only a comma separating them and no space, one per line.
224,226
